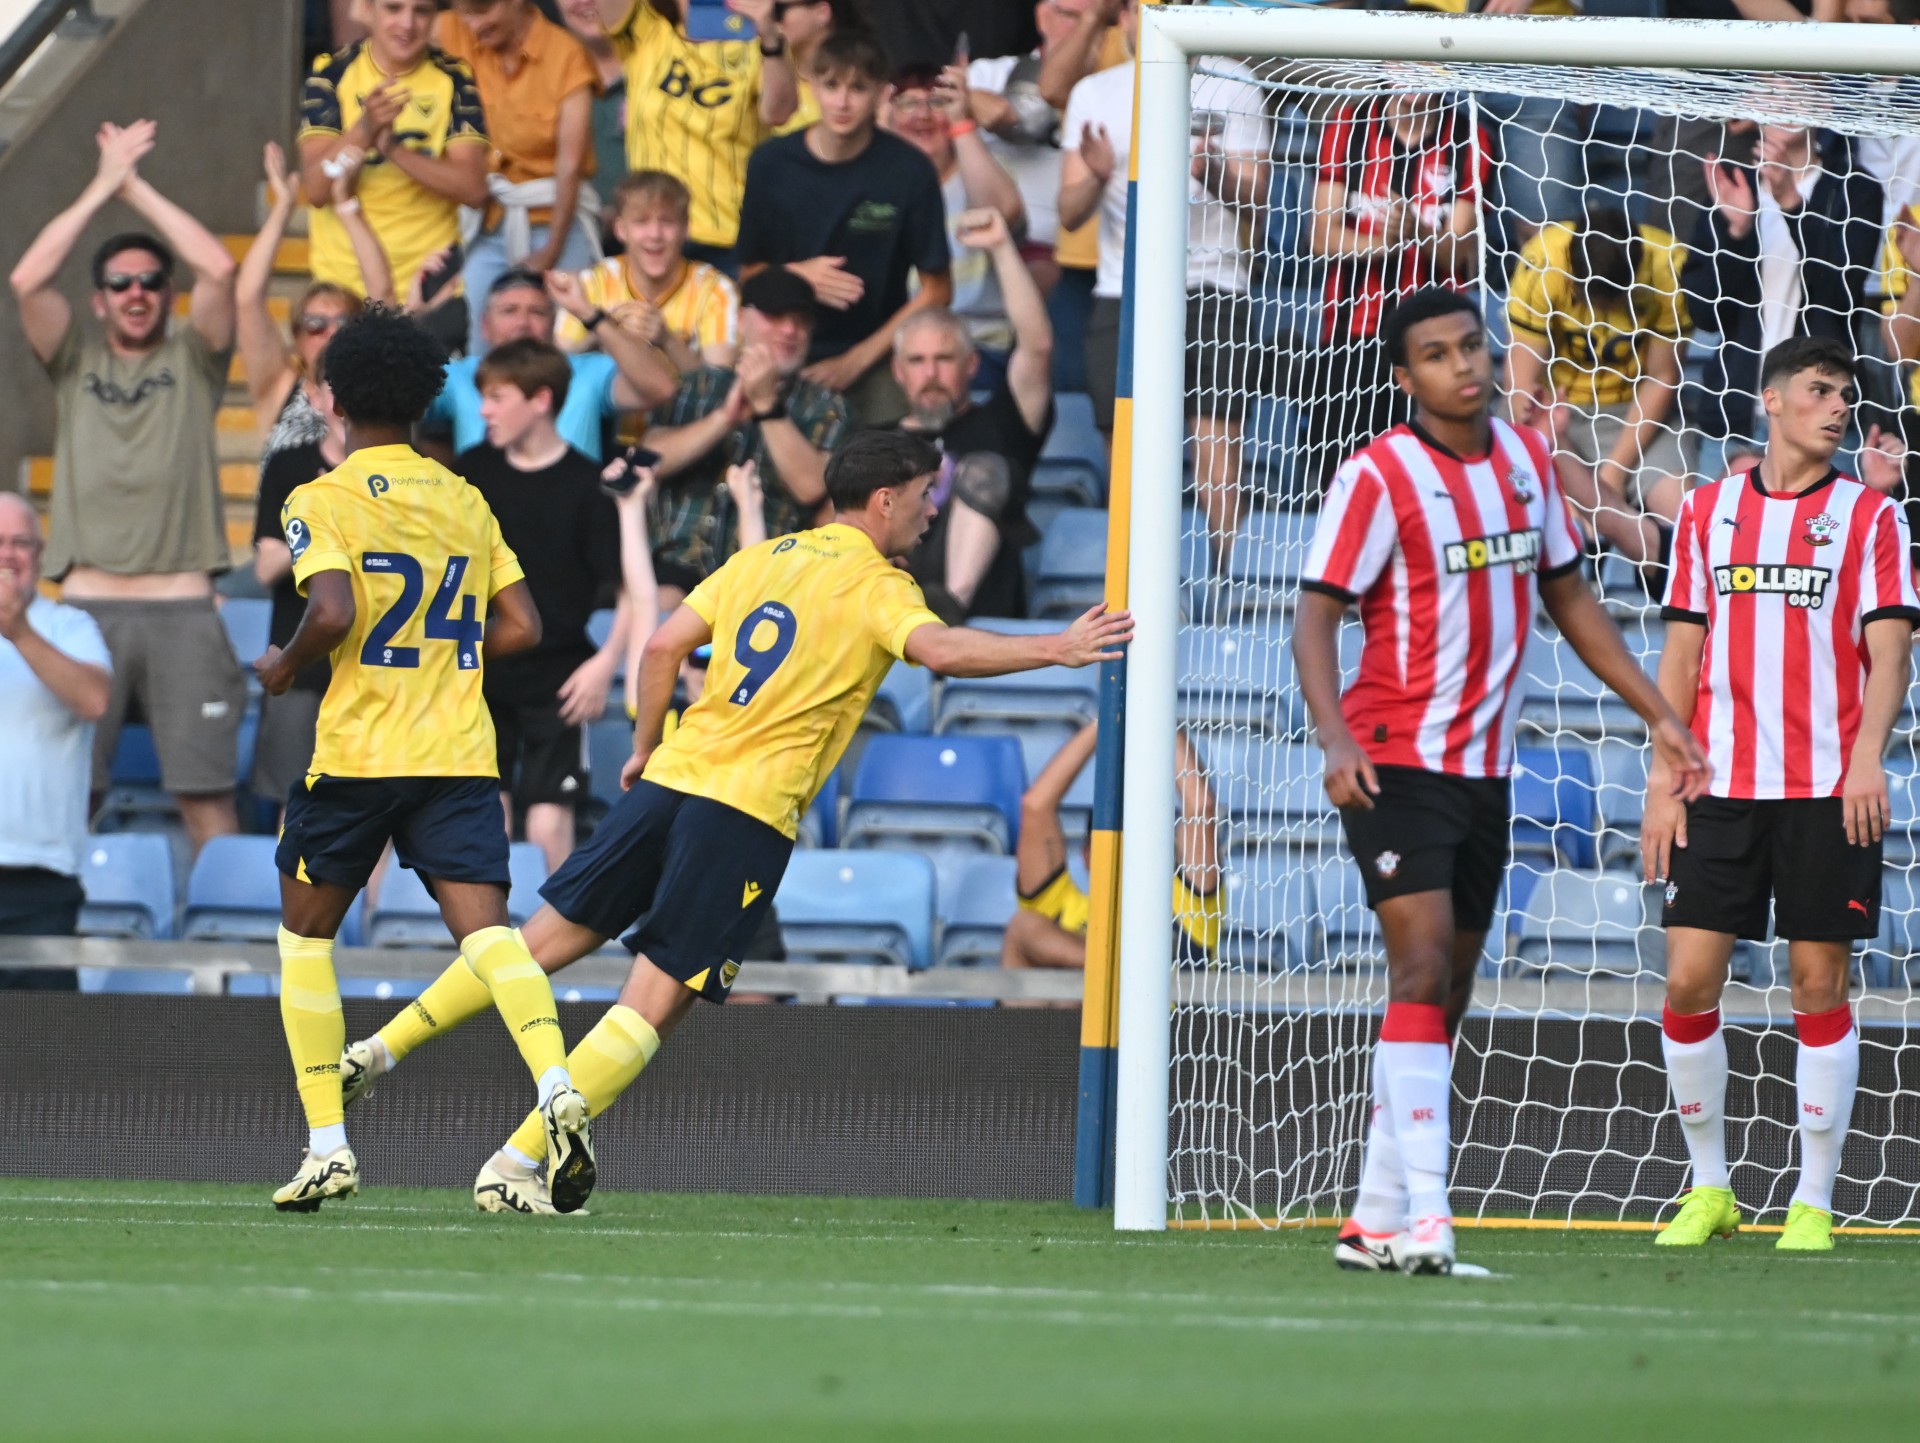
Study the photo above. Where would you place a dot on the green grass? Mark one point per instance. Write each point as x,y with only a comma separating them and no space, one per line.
194,1312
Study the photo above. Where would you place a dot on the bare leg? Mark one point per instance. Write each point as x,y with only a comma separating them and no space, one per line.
550,828
1216,479
1035,941
207,815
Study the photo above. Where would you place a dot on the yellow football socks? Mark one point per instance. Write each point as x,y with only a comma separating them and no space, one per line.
316,1028
522,993
604,1065
456,995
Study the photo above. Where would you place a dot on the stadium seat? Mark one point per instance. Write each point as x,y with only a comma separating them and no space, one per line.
820,826
1074,445
1586,921
952,793
974,901
609,744
1620,793
904,702
167,981
407,915
247,621
873,908
527,869
1894,958
1270,904
1270,792
233,892
1344,932
1560,695
1901,845
1237,677
128,877
1553,804
1072,574
599,628
1056,699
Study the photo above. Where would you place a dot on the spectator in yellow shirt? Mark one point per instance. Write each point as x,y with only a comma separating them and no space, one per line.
415,113
696,109
686,308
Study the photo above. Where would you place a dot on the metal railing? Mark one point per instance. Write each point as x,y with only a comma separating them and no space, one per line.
75,19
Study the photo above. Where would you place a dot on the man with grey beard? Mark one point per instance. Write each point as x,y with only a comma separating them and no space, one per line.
968,564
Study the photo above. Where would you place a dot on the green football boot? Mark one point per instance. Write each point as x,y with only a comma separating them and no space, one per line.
1708,1212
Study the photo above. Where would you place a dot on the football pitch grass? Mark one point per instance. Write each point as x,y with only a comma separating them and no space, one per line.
170,1311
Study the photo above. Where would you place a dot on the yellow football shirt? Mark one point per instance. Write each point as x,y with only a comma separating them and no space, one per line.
703,308
1595,355
805,112
693,110
425,557
1198,914
804,629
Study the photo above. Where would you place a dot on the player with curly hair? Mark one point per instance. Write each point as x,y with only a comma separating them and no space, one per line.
400,561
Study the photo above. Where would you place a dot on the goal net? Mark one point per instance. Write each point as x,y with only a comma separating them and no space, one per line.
1636,235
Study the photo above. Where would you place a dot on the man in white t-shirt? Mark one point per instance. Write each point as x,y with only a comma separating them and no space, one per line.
55,678
1226,201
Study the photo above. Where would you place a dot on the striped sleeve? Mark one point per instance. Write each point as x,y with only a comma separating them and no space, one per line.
1886,580
1355,534
320,100
468,119
1686,598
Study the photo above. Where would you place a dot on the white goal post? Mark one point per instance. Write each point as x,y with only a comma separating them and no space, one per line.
1447,51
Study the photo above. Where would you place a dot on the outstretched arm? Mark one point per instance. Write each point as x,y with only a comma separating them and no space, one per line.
963,651
44,312
211,308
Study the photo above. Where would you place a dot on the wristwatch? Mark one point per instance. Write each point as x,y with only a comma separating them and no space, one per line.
593,321
776,412
778,48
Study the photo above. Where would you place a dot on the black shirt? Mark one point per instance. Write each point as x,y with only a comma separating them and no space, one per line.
994,429
284,470
566,532
927,32
882,210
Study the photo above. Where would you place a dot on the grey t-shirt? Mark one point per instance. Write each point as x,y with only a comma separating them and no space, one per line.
136,476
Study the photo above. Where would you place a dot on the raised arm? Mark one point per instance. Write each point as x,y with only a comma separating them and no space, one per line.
779,84
984,179
1066,64
639,590
645,379
1030,367
376,270
263,350
44,312
800,465
211,309
963,651
1196,837
1086,164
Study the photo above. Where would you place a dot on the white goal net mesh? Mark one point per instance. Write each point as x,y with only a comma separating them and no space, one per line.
1636,239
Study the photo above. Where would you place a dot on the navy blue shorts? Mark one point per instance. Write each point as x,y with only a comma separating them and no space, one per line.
449,828
694,878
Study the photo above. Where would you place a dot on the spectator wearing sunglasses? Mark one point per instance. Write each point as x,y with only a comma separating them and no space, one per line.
281,380
137,528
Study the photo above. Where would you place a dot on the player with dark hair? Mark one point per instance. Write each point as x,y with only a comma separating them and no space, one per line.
1447,532
802,629
1790,611
399,560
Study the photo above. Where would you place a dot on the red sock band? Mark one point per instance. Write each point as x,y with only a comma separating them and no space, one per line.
1823,1029
1414,1022
1690,1026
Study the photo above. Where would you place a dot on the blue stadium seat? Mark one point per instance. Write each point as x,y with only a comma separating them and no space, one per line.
135,761
820,826
527,871
168,981
247,620
233,892
1553,804
1345,933
1270,792
874,908
1072,574
1894,959
1901,845
1561,695
1238,677
128,878
904,702
1056,699
599,628
609,744
712,20
954,793
1075,437
974,901
1586,921
1270,906
1620,771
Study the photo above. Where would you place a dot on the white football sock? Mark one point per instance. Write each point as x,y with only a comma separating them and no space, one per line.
511,1159
1419,1088
1381,1206
382,1059
551,1081
329,1139
1824,1082
1697,1073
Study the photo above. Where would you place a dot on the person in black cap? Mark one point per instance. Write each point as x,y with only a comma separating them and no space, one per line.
760,410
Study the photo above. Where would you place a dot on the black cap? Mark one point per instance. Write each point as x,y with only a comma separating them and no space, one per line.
777,291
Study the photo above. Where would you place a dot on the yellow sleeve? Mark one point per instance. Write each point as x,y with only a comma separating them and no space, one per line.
1668,319
704,600
313,536
896,609
642,27
505,566
717,322
1529,301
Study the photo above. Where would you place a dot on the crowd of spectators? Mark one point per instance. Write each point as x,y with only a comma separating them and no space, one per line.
674,271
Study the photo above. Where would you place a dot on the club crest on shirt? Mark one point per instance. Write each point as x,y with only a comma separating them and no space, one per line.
1518,549
1804,586
1387,863
1673,892
1820,530
1521,484
298,537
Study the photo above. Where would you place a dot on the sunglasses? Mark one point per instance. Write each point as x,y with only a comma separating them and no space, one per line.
149,281
317,325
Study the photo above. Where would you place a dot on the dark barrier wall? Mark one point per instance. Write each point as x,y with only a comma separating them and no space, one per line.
894,1101
222,78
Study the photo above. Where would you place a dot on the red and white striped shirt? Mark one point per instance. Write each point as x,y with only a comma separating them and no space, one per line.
1443,555
1785,585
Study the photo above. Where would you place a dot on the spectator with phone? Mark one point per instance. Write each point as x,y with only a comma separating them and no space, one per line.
627,375
763,410
686,308
554,515
409,114
854,212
